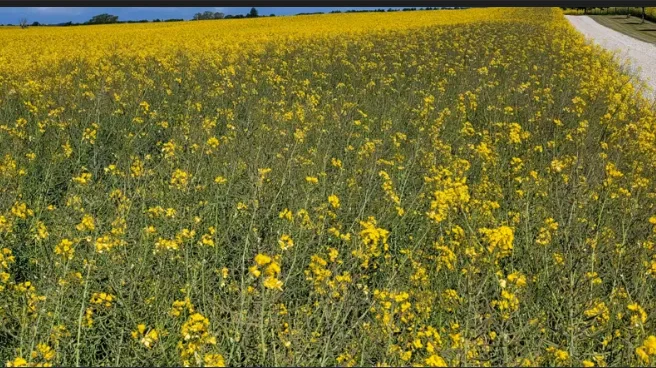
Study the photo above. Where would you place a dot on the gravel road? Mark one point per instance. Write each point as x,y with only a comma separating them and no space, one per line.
638,56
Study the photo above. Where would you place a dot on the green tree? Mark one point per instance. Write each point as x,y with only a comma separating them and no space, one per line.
103,19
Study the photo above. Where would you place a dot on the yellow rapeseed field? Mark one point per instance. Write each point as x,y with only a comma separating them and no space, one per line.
458,187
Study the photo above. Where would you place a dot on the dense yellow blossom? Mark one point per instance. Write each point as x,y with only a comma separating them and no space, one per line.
420,188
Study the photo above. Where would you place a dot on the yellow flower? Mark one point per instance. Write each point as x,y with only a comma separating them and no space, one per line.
180,179
168,149
650,345
435,361
517,278
102,299
333,200
20,210
499,240
642,354
17,362
147,339
140,330
272,283
273,269
262,259
68,150
639,317
65,249
254,271
561,355
41,231
647,349
195,336
285,242
286,214
263,172
105,243
213,360
87,224
332,254
213,142
83,179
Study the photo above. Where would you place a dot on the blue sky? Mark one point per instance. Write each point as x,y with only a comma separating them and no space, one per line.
53,15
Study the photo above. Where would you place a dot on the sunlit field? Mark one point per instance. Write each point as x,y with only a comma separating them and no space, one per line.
429,188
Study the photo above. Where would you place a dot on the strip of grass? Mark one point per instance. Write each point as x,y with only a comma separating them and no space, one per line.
629,26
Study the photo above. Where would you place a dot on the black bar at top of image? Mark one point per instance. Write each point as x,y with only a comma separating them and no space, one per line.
326,3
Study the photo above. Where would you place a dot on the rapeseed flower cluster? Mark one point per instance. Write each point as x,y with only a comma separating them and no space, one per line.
455,187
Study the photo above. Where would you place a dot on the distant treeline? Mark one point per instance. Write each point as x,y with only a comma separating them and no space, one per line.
648,13
207,15
98,19
388,10
113,19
